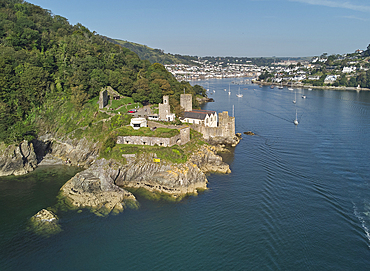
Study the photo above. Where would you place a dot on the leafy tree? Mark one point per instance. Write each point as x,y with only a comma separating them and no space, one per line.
79,96
199,90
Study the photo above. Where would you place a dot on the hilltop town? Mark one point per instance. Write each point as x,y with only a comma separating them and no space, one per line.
204,70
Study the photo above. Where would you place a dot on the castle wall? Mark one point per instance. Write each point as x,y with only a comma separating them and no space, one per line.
185,135
181,139
146,140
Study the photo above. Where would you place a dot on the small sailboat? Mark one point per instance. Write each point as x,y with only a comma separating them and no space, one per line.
239,95
229,90
291,89
295,98
296,120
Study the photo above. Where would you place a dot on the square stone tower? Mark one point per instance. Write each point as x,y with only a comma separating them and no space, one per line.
164,109
186,102
226,124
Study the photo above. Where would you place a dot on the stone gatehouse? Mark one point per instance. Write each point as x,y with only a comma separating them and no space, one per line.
225,128
180,139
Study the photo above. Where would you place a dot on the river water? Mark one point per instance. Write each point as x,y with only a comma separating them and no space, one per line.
298,198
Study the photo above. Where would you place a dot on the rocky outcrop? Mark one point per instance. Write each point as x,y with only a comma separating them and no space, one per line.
207,160
45,223
100,186
17,160
24,158
203,100
174,179
222,140
73,152
95,188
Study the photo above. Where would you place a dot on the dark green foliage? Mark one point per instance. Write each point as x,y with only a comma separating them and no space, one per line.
265,75
109,143
199,90
155,55
45,62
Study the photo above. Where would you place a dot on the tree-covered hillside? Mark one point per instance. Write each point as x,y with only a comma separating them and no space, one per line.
45,60
156,55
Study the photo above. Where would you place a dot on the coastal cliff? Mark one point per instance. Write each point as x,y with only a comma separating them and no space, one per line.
17,159
74,152
25,157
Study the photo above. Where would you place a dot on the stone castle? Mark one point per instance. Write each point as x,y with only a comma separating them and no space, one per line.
215,128
207,122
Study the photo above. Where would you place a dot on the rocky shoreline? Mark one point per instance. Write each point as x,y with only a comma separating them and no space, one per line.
101,187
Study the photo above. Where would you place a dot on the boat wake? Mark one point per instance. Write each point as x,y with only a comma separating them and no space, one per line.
362,221
270,113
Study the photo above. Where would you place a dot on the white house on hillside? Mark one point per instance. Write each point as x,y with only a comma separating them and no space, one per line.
348,69
330,78
206,117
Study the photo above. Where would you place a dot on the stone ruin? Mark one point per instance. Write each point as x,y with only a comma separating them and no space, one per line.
103,98
105,95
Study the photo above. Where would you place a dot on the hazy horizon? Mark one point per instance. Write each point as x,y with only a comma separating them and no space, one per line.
251,28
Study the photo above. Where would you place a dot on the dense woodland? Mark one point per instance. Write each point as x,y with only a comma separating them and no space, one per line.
44,59
155,55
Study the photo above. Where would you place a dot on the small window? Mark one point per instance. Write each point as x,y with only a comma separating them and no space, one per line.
137,125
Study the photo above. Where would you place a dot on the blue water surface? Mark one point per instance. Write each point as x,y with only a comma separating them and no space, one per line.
298,198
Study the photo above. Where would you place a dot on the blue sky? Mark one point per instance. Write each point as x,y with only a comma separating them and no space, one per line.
249,28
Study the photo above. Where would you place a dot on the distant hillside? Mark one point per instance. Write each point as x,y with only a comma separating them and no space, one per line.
158,56
155,55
